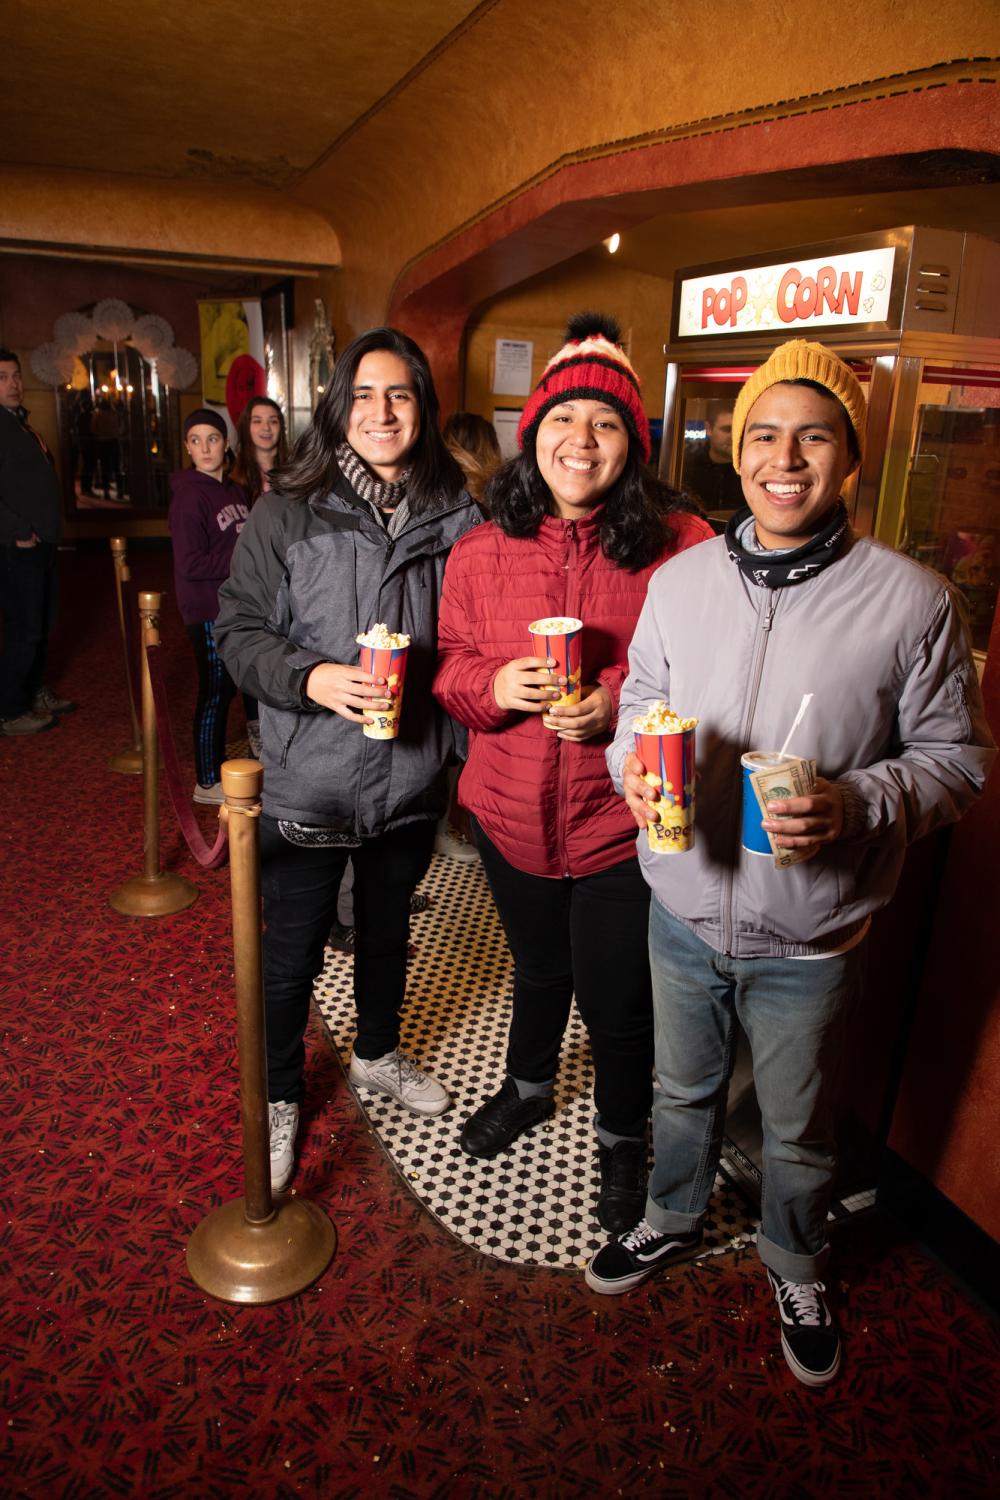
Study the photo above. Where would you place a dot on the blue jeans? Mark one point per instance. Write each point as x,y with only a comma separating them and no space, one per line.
792,1011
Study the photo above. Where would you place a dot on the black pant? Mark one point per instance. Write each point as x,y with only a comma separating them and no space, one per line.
216,690
589,936
28,600
300,888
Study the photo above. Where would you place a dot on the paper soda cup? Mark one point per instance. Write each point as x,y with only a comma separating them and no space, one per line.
770,777
561,637
670,756
390,663
755,839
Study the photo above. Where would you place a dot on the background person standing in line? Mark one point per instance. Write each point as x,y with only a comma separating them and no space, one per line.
207,513
30,529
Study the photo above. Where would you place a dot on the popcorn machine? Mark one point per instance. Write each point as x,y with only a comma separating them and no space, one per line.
916,313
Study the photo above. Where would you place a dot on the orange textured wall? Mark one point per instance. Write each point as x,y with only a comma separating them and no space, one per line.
538,310
947,1117
528,88
166,219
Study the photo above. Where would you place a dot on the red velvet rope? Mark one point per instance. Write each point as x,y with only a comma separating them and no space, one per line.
209,858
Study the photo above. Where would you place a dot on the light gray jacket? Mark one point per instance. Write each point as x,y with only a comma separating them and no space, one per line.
897,720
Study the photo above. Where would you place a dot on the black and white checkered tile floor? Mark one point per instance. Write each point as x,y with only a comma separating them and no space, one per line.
533,1204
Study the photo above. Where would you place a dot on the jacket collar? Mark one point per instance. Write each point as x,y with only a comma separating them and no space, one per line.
555,531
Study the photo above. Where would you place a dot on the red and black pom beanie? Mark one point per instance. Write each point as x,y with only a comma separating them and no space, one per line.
591,366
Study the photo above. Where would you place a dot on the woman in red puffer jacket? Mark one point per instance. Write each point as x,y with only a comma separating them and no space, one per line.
578,528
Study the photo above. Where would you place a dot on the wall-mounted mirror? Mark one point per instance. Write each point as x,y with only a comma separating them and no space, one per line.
119,432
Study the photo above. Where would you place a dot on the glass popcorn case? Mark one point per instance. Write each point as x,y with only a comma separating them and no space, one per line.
916,313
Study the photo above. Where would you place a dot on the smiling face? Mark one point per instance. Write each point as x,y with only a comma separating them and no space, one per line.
580,449
796,455
11,384
207,448
265,431
385,419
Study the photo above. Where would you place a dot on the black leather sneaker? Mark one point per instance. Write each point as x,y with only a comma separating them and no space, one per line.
622,1198
626,1261
810,1340
499,1122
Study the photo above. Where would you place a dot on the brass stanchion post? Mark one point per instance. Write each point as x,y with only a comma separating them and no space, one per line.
253,1249
128,762
154,893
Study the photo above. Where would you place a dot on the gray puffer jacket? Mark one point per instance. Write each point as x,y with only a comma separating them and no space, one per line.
897,720
306,578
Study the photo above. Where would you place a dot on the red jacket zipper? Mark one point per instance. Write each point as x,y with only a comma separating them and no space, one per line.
571,604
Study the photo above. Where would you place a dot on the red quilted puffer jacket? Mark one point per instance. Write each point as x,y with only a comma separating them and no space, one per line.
548,804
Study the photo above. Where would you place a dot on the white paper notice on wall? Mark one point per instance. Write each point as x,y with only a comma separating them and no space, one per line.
512,367
505,422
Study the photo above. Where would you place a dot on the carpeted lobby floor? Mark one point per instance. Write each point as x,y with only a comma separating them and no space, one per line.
415,1367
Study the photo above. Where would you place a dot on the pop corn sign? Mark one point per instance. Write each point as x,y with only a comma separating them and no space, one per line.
791,297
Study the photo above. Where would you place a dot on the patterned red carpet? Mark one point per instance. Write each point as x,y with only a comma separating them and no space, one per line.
415,1367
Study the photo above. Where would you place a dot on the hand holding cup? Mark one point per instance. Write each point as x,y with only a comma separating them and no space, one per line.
347,691
527,685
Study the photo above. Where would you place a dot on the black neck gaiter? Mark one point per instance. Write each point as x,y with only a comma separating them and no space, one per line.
778,570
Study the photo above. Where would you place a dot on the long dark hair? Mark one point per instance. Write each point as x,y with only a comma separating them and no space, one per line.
246,470
634,526
312,467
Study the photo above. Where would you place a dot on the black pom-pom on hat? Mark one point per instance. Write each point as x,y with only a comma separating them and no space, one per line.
591,366
588,325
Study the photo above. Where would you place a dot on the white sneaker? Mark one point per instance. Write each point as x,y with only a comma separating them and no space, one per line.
283,1121
454,845
212,795
399,1077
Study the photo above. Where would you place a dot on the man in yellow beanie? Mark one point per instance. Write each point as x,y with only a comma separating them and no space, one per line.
735,632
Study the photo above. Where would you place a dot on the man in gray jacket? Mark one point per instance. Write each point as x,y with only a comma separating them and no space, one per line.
735,632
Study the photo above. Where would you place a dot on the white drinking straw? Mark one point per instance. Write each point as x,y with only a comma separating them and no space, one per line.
806,700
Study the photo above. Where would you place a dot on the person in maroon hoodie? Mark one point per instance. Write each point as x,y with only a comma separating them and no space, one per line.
207,513
578,527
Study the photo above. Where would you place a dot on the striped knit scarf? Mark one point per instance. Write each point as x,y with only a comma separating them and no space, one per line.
379,492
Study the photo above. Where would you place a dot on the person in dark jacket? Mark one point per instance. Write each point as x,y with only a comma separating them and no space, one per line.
207,514
30,528
577,530
354,534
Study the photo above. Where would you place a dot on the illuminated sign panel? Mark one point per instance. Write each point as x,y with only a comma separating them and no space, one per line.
792,297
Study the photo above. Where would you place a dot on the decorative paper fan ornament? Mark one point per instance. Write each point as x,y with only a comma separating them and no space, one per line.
176,368
52,364
74,330
152,335
113,319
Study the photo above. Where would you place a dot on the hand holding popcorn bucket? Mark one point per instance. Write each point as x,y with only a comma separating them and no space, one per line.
383,654
561,638
665,745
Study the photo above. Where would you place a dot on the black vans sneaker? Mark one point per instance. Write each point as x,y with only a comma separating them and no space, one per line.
809,1337
627,1260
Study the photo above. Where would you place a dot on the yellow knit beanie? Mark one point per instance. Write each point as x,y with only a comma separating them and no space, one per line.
800,360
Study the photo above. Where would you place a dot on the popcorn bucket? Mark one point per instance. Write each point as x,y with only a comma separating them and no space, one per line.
389,663
670,756
561,637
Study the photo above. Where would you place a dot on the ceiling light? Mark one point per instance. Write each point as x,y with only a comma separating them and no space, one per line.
611,245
